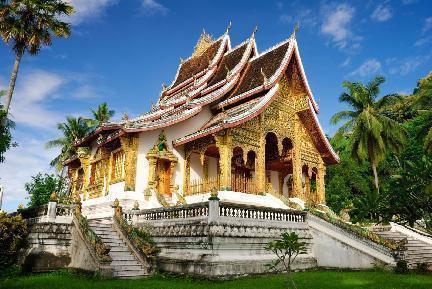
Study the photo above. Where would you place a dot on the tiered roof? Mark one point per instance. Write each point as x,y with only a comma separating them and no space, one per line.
238,84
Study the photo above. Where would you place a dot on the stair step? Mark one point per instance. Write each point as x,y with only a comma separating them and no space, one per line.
120,253
119,258
124,263
120,249
121,268
136,273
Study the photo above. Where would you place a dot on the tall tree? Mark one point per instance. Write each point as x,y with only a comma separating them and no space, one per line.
370,132
6,125
101,114
423,104
28,25
72,130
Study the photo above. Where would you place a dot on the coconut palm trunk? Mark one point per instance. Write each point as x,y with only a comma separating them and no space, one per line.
374,170
12,81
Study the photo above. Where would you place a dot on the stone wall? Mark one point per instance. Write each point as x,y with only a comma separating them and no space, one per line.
334,247
55,241
220,240
49,247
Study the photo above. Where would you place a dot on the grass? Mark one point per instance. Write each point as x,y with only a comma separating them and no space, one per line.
304,280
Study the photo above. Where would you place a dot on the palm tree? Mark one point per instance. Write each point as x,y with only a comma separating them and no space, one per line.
370,132
28,25
72,130
424,104
101,115
6,125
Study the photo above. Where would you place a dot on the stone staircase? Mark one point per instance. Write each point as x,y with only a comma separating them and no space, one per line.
124,264
417,251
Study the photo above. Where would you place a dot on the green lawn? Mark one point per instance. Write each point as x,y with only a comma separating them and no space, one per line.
304,280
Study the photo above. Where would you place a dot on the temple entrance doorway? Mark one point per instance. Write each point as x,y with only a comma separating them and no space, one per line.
163,171
278,165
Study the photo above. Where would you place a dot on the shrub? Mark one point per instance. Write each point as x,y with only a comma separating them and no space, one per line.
401,267
422,268
13,236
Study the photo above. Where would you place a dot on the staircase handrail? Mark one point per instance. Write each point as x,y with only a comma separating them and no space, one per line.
380,251
412,232
146,261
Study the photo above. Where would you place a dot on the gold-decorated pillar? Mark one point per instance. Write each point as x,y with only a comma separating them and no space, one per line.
205,166
296,160
307,194
224,145
186,175
130,148
152,157
173,165
84,157
321,183
260,170
281,177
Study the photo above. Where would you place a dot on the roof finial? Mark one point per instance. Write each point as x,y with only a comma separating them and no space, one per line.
264,76
228,28
254,31
296,29
164,86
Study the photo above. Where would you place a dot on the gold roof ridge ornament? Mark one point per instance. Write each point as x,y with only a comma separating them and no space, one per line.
204,42
228,28
296,29
254,31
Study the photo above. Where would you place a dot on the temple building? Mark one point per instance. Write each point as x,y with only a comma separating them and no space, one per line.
235,121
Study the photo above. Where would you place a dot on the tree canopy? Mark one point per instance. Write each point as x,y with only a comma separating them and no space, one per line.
370,132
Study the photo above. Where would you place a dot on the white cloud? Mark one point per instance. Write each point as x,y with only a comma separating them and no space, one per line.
382,13
303,16
368,67
86,10
29,103
427,25
37,90
346,62
406,66
423,41
336,23
407,2
22,162
151,7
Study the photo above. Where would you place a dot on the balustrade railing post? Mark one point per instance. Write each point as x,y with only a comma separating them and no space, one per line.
52,211
52,207
213,210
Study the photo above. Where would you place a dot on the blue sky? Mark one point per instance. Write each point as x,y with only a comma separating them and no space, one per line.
121,51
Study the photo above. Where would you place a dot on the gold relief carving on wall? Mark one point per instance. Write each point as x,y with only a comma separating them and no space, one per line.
247,136
199,145
309,154
279,116
98,173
